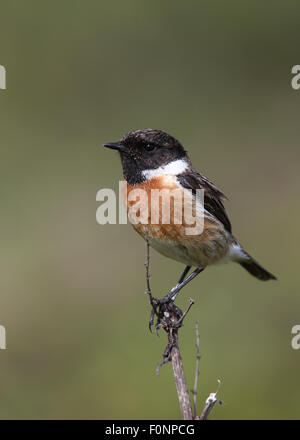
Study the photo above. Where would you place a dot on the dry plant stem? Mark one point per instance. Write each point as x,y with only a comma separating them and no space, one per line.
181,385
170,318
198,357
186,312
148,276
147,265
210,403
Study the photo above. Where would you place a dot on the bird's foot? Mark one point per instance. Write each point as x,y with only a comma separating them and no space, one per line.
168,314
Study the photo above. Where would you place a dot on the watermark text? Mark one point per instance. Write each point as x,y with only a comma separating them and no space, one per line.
2,337
296,79
152,206
296,339
2,77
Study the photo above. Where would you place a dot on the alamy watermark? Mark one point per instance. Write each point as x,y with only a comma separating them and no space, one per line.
152,206
2,77
2,337
296,79
296,339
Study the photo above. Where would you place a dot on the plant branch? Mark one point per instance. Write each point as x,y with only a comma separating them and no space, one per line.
170,318
197,372
210,403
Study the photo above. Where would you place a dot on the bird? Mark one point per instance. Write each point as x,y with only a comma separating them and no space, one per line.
153,159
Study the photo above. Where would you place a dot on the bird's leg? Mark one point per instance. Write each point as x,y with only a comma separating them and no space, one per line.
165,307
155,302
171,296
183,275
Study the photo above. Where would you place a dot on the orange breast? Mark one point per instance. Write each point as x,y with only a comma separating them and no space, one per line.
163,213
205,248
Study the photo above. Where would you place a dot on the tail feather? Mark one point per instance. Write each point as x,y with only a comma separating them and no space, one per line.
256,269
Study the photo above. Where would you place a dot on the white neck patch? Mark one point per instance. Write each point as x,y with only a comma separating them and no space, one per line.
173,168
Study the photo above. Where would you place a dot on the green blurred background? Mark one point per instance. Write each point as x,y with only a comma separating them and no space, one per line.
214,74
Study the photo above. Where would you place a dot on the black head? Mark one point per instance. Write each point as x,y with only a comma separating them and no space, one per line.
146,149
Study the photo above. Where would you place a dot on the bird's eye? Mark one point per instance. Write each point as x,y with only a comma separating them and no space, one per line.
149,147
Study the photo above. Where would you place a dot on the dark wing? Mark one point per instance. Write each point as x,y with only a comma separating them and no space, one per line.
212,195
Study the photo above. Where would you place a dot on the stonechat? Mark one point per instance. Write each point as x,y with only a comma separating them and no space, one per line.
152,159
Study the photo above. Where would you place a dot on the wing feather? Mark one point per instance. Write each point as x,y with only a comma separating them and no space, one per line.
212,195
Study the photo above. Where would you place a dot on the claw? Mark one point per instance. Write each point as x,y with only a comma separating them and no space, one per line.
154,303
151,320
156,329
163,308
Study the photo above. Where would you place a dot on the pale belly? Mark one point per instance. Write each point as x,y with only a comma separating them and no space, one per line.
199,251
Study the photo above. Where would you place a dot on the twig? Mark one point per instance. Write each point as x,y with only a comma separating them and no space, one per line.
210,403
186,311
172,354
147,265
170,318
181,385
148,277
198,357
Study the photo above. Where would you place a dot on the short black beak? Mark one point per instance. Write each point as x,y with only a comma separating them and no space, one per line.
116,146
113,145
